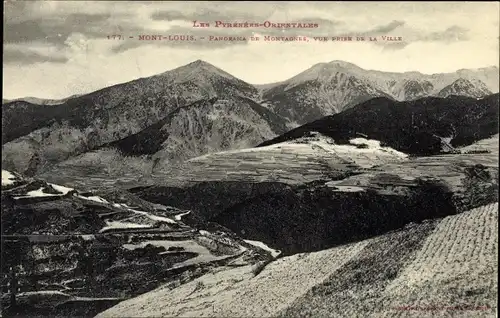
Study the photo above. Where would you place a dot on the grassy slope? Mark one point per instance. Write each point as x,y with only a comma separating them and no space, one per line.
444,263
455,265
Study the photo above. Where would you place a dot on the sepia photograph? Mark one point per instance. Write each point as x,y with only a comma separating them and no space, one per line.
250,159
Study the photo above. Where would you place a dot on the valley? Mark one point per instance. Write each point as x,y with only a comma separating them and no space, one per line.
340,192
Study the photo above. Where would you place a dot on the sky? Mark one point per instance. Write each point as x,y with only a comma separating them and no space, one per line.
55,49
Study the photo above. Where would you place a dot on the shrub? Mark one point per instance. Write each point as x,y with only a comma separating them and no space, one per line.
480,187
362,146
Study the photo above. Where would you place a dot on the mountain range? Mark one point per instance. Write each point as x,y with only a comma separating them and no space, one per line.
198,108
341,192
39,101
329,88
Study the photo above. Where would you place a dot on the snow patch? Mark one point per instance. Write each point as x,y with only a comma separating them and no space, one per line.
63,190
346,188
97,298
371,143
123,225
203,255
7,178
150,216
88,237
92,198
178,217
43,292
154,217
37,193
374,146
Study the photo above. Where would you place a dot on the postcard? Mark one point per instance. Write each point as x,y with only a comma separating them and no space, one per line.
250,159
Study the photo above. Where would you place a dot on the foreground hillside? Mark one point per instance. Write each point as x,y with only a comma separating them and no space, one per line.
368,207
445,267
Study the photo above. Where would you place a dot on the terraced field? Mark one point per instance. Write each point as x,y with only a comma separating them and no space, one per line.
290,163
462,249
440,268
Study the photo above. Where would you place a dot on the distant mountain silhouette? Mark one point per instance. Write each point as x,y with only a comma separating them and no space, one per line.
329,88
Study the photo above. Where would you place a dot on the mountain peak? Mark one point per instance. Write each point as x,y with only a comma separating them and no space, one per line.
333,65
489,68
200,63
203,74
465,87
413,73
325,72
342,64
492,68
198,68
469,81
461,80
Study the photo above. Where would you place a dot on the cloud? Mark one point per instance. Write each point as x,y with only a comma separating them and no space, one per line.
16,11
60,20
451,34
54,22
25,56
54,29
169,16
43,38
378,30
209,15
387,28
218,11
413,35
393,46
